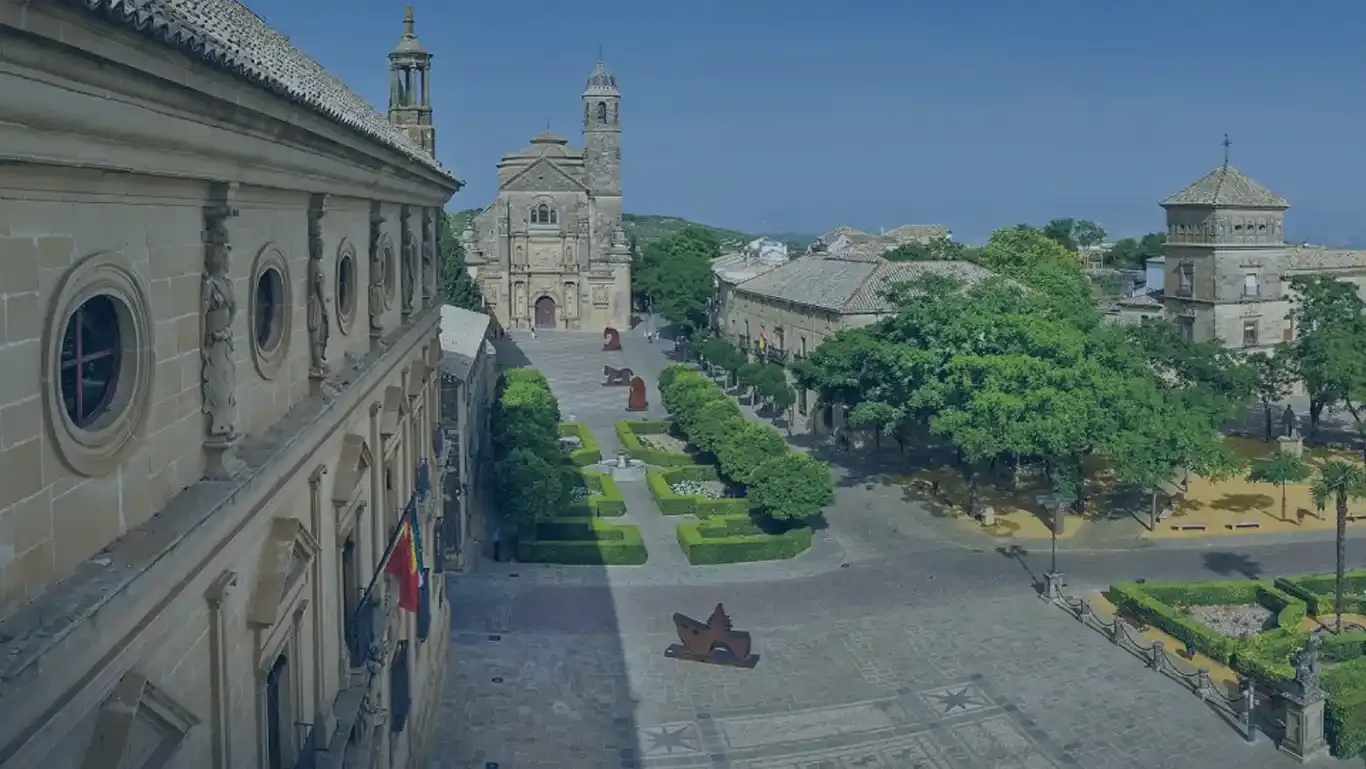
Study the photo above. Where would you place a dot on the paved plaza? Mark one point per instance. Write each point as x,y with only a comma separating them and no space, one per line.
886,647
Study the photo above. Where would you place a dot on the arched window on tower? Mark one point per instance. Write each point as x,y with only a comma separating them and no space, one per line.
602,112
543,215
554,217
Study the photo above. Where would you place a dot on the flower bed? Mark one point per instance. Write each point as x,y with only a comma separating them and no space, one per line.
1177,608
735,539
670,502
584,541
629,432
599,496
587,452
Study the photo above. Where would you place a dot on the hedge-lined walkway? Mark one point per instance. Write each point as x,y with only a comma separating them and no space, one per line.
572,363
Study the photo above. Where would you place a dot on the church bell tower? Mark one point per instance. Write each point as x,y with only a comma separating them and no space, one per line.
602,164
410,106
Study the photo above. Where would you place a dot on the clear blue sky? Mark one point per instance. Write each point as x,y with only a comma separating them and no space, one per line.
798,116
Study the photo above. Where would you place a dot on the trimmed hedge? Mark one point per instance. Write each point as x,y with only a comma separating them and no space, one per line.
660,484
628,432
1266,656
604,497
584,541
734,539
588,452
1317,592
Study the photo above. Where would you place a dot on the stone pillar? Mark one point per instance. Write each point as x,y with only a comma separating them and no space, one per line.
218,361
318,324
220,686
378,536
407,261
324,720
376,275
1304,725
1290,446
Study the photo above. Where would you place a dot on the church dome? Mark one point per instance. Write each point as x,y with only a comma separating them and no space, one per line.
601,81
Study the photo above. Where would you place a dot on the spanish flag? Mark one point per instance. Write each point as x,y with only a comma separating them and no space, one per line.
404,562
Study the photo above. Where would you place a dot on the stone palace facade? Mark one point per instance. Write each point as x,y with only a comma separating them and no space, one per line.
220,341
550,252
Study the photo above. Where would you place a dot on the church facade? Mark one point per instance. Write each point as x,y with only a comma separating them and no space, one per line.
550,252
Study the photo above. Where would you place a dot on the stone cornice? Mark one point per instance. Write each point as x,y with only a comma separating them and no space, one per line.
64,652
146,113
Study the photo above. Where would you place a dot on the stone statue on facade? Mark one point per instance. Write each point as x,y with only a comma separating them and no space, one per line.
218,307
1306,663
428,257
376,272
1289,423
406,250
318,328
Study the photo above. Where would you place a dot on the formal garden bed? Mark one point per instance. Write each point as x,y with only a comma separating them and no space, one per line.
756,500
1255,627
584,541
555,505
653,442
595,496
578,441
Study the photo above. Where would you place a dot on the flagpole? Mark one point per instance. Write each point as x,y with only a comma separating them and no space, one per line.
379,567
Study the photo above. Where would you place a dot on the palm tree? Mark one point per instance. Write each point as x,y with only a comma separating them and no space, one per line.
1339,481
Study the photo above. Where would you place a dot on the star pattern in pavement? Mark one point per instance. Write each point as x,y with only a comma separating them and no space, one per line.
669,740
957,699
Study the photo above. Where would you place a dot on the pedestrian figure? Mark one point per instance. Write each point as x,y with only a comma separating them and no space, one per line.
1190,650
533,332
497,545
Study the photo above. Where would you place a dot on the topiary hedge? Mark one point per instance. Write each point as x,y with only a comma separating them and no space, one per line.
588,452
1317,591
584,541
735,539
660,483
604,497
1266,656
628,432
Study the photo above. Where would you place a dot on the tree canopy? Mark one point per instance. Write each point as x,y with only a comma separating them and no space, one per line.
457,287
674,276
1134,253
1073,234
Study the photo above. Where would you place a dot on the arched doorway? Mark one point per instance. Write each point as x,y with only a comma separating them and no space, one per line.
545,312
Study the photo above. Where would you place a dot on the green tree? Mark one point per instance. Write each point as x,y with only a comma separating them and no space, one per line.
745,447
1275,378
457,287
1087,233
940,249
712,423
675,276
1327,318
1280,469
530,488
1340,482
1134,253
790,487
1061,231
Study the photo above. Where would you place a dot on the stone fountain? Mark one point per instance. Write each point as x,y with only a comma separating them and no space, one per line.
623,468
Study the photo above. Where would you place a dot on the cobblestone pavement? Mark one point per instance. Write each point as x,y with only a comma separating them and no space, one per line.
888,649
985,683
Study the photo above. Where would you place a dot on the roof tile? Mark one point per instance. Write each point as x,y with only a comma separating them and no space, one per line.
1226,187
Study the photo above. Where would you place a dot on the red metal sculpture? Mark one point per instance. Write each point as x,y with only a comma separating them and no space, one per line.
611,340
637,400
713,641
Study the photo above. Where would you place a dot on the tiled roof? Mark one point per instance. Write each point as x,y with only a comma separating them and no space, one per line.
1226,186
227,35
845,286
1319,259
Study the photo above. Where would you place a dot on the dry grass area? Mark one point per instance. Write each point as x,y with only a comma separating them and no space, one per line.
1218,505
1221,504
1223,676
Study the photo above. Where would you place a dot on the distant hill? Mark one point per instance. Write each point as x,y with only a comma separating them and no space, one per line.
646,228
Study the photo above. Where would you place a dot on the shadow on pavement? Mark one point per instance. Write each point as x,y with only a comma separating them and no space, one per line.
535,680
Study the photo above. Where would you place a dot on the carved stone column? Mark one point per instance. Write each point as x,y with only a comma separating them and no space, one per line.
430,295
378,515
220,687
376,273
408,251
324,720
318,328
218,366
